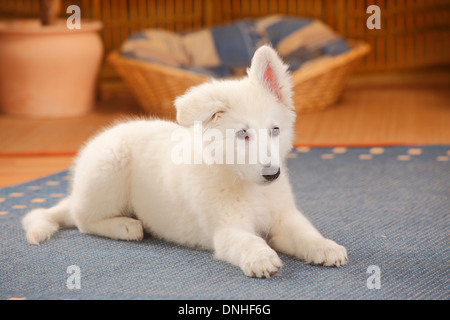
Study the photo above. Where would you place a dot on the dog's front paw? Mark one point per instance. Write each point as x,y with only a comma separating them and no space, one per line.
326,252
261,264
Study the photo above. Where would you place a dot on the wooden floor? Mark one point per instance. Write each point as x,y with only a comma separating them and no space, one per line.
412,108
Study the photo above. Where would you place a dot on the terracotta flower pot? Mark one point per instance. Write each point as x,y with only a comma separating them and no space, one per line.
48,71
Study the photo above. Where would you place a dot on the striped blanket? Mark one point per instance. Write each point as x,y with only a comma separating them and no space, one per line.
227,50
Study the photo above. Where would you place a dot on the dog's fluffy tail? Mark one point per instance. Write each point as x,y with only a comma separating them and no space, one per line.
41,224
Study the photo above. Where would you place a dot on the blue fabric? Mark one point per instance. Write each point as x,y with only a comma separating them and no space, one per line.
389,209
335,48
298,57
231,46
132,55
138,36
215,72
283,28
236,43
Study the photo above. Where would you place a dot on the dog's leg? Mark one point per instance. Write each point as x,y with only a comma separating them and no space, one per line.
103,212
118,228
295,235
96,216
246,250
100,195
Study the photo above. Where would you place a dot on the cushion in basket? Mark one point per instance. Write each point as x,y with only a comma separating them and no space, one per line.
225,50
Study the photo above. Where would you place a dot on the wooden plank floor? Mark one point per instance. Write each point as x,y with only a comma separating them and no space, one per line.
374,110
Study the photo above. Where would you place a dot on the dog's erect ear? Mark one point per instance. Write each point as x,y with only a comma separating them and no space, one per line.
268,70
200,103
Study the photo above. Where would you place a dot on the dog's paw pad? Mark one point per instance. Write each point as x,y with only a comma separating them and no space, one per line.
327,253
262,265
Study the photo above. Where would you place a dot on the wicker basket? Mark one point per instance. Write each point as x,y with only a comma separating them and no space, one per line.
320,85
155,86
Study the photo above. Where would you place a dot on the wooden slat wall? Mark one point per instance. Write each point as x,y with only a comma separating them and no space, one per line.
414,33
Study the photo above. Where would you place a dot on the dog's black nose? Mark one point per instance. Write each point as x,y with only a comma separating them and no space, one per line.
272,177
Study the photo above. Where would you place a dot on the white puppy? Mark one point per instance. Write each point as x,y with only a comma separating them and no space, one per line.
126,180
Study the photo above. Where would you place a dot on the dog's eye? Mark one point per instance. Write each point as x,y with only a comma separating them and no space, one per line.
275,131
242,134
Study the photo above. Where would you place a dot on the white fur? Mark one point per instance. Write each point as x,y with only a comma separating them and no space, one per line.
124,181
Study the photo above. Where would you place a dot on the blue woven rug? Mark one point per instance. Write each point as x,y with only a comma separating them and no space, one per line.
389,207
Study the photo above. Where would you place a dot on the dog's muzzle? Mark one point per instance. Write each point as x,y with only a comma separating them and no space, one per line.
272,177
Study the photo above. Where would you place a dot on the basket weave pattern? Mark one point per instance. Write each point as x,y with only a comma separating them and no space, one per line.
156,86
